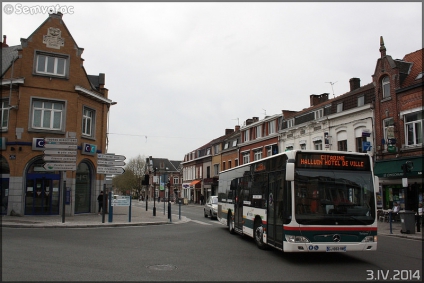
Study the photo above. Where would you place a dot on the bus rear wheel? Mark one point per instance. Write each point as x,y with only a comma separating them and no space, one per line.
259,235
230,223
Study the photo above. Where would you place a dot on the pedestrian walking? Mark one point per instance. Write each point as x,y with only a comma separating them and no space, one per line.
100,201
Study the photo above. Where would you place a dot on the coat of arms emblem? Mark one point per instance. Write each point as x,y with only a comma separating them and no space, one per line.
53,38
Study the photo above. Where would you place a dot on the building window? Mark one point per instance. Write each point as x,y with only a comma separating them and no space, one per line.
388,128
257,154
361,100
359,141
208,151
246,135
318,145
288,148
176,180
246,157
226,145
234,142
271,127
223,165
51,64
342,145
216,149
268,151
290,123
216,169
88,122
229,164
47,115
4,115
339,107
385,85
236,163
319,113
414,128
259,131
303,146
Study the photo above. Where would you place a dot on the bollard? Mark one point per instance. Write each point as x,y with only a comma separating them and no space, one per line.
169,211
390,221
179,210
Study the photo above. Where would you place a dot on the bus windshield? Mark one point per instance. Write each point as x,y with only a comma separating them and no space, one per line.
334,197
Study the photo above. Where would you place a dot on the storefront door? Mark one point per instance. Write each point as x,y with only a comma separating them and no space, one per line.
42,194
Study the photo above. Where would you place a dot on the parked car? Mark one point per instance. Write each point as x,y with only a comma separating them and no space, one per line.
211,207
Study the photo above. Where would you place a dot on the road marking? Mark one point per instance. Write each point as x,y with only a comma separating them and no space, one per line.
200,222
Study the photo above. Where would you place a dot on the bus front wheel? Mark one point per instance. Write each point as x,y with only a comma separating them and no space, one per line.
259,235
230,223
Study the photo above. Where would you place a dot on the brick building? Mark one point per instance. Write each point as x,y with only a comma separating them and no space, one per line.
47,93
399,127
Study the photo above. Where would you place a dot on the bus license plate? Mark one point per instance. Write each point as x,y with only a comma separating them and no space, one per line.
336,249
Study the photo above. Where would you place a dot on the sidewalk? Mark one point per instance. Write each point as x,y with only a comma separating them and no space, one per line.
384,229
120,217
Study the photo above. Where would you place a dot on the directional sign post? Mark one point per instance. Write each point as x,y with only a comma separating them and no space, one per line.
110,170
106,163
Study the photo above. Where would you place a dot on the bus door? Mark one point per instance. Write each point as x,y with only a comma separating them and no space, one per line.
238,206
275,209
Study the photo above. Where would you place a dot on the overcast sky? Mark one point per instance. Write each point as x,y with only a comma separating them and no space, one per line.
182,73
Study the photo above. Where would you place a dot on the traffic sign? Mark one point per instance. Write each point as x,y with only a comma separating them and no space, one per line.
111,163
110,170
110,156
60,152
121,201
60,166
60,158
60,146
61,140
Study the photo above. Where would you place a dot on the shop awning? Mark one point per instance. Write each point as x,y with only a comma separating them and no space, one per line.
392,168
195,182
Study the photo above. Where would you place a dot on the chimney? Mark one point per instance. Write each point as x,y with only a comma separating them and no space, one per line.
255,119
3,44
355,83
237,128
249,121
316,99
382,47
229,131
101,80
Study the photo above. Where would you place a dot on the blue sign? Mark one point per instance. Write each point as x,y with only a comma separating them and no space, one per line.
89,149
366,146
38,144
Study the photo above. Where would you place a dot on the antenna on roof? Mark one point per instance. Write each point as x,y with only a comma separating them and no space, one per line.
238,123
331,83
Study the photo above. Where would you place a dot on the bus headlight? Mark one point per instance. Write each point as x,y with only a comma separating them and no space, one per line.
368,239
296,239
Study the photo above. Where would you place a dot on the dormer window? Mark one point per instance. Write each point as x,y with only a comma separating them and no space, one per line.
340,107
319,113
361,100
385,86
271,128
290,123
258,131
51,64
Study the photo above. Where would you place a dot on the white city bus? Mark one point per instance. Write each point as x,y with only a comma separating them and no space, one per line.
303,201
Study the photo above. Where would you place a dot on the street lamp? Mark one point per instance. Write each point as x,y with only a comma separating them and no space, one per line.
154,193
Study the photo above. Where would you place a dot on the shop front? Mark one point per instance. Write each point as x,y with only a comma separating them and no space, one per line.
401,182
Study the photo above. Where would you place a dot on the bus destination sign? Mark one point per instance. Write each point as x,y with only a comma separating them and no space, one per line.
333,161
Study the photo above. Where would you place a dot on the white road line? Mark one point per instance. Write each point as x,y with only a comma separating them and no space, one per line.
200,222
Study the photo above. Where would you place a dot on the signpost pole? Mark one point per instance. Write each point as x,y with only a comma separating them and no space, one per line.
104,203
63,196
110,207
129,211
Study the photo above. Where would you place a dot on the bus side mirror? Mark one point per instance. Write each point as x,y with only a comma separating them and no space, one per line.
376,184
290,172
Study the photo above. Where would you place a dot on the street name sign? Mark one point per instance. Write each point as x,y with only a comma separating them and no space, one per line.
110,163
110,170
110,156
60,166
60,158
61,140
60,152
60,146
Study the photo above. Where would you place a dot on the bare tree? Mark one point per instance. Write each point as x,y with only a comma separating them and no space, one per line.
132,177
